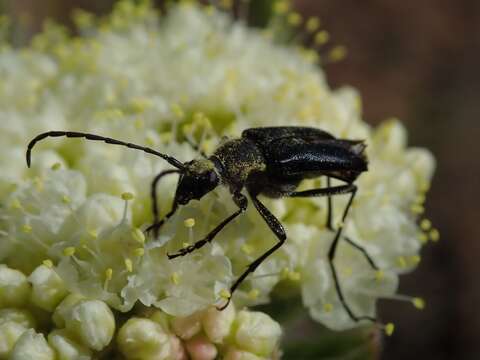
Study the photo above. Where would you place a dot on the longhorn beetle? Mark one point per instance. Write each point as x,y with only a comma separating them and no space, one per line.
269,161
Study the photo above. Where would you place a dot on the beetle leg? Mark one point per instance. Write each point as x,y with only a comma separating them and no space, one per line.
277,228
241,201
329,206
330,191
153,194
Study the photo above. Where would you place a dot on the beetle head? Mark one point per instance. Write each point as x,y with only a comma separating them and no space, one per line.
198,179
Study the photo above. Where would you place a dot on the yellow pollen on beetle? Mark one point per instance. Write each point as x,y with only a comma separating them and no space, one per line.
69,251
56,166
127,196
27,229
313,24
128,265
434,235
138,235
327,307
48,263
108,274
247,249
175,278
225,294
321,38
139,252
419,303
389,329
253,294
189,223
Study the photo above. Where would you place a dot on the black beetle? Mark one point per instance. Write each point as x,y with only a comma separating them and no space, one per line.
270,161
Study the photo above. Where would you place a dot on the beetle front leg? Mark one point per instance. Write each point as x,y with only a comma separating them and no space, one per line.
157,224
242,203
277,228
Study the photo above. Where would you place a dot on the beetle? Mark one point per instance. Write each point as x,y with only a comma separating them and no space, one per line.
268,161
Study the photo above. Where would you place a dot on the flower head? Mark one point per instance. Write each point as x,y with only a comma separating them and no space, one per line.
75,218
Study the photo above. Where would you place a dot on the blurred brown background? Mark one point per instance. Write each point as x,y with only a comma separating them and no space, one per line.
417,61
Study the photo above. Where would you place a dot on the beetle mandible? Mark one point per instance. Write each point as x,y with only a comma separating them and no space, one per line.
269,161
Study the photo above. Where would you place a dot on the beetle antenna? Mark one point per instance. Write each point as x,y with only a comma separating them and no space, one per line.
73,134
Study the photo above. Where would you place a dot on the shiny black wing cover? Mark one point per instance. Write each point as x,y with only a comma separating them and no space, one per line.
298,152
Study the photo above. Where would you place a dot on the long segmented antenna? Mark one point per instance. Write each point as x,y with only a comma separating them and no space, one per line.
74,134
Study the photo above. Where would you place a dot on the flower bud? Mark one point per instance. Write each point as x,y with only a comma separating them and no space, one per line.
187,327
236,354
200,348
144,339
63,310
66,348
32,346
48,288
19,316
10,332
257,332
218,324
14,287
93,322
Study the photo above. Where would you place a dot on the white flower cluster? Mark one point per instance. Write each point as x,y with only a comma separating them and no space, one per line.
156,80
83,327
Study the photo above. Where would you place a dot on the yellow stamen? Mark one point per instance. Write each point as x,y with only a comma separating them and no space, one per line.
48,263
294,276
128,265
434,235
66,199
138,235
337,53
108,274
175,278
419,303
189,223
294,19
313,24
139,252
69,251
425,224
327,307
27,229
225,294
93,234
417,209
321,37
389,329
281,7
402,262
247,249
127,196
56,166
253,294
379,275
